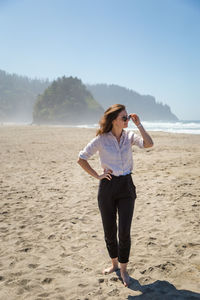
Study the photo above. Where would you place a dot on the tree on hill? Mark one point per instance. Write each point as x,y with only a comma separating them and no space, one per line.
66,101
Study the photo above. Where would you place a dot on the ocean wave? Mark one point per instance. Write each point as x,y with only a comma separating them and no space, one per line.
173,127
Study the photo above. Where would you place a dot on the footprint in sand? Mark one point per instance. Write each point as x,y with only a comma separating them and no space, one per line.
76,248
51,236
115,278
114,292
4,229
22,226
151,244
166,267
82,285
44,295
24,282
47,280
144,280
25,249
33,266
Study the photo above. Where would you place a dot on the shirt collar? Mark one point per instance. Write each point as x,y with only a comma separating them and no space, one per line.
123,133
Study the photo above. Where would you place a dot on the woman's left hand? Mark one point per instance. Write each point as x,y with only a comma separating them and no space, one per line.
135,119
147,140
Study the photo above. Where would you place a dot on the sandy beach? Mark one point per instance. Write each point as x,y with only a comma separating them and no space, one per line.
51,237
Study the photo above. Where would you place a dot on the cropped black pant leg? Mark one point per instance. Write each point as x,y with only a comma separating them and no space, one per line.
117,196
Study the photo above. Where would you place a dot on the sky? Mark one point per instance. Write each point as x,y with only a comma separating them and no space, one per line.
149,46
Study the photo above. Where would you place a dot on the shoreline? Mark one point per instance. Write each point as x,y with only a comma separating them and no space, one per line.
149,126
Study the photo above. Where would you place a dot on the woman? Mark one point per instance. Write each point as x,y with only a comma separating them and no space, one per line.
116,189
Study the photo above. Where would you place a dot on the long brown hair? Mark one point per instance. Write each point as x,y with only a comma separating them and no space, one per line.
109,115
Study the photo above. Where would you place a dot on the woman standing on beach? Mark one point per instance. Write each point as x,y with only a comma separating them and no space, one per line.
116,189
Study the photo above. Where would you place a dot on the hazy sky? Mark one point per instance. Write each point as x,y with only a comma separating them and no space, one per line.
150,46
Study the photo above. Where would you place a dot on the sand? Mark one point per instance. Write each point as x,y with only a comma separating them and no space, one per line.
51,237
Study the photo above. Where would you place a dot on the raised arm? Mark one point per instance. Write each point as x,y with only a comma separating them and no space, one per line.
147,140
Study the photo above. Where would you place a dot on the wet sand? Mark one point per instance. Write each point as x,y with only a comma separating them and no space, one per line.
52,244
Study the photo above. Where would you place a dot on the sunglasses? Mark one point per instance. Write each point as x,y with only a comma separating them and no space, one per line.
125,118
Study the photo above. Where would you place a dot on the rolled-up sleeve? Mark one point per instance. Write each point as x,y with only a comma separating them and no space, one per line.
137,140
91,148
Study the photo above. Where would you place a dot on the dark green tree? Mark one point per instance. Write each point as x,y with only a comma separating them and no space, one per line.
66,101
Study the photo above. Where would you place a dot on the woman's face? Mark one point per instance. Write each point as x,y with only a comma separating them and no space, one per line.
119,122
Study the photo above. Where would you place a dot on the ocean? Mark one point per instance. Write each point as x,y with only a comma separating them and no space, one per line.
188,127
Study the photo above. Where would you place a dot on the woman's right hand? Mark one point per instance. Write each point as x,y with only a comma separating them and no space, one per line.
106,175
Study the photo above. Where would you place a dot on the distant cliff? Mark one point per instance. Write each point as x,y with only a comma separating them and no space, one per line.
69,101
144,105
17,96
66,101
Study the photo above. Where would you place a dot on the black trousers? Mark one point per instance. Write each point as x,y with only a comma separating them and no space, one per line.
117,196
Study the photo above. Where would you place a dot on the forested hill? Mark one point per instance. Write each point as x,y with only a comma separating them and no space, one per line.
17,96
144,105
67,101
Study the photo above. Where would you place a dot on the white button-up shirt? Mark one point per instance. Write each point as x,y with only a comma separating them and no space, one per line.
113,155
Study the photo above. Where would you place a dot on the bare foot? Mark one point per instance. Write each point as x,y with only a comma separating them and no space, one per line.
110,270
125,278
